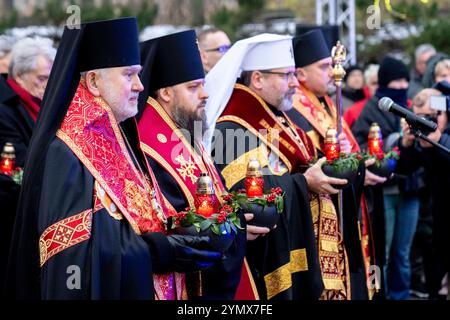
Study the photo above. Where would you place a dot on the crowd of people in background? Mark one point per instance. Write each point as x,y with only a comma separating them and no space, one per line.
411,204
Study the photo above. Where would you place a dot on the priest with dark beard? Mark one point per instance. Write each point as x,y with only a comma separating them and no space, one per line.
171,126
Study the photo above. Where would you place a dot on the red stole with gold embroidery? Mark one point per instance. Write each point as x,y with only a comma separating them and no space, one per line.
247,109
307,104
164,142
91,131
177,156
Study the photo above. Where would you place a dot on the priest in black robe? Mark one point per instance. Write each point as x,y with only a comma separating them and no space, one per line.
172,108
91,217
314,112
250,122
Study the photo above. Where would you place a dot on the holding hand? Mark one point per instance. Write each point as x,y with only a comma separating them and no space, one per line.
434,136
320,183
408,138
254,232
372,179
190,254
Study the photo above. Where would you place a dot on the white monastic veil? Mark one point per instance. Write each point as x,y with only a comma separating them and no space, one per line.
262,52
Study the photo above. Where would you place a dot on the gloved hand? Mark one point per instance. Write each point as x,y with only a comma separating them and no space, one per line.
190,254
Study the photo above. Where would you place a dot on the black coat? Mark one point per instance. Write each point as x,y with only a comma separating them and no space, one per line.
388,122
16,124
436,164
114,263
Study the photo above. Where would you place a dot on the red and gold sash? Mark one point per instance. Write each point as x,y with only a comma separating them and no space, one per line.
177,156
91,131
165,143
308,105
295,149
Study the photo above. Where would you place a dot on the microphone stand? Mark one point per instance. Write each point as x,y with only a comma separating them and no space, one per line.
418,134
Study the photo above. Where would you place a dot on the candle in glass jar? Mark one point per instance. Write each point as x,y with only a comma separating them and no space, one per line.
375,141
7,164
331,145
254,181
254,186
205,205
206,202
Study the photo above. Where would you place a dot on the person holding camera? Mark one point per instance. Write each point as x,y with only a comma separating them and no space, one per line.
416,153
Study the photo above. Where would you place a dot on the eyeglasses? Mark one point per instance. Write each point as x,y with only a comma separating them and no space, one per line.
221,49
285,75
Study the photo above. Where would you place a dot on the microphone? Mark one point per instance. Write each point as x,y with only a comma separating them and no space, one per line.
386,104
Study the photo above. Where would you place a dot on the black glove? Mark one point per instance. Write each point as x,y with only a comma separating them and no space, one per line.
190,254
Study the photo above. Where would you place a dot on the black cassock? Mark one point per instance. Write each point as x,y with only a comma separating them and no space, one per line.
221,280
351,216
16,124
294,230
114,263
16,127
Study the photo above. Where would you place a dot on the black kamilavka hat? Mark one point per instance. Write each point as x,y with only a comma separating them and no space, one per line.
171,59
168,61
310,47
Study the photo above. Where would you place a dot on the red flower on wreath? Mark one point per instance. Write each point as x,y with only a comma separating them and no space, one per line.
271,198
228,197
277,191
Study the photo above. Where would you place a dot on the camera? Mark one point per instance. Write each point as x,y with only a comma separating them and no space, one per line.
441,103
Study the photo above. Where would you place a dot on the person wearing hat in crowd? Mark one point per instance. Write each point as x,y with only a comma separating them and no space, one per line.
400,198
172,108
371,81
429,254
250,122
314,112
91,219
353,89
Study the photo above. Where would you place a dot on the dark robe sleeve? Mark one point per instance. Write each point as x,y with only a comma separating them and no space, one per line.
221,280
294,229
114,263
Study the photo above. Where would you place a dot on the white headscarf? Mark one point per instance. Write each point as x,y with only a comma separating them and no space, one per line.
262,52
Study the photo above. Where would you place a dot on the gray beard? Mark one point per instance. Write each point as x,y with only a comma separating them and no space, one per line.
285,105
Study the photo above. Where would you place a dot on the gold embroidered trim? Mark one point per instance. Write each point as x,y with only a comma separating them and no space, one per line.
281,279
300,145
80,155
155,155
237,169
330,246
107,203
250,277
315,138
65,234
246,125
197,158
